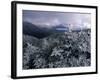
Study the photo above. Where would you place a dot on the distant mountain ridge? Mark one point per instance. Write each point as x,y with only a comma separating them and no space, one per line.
41,32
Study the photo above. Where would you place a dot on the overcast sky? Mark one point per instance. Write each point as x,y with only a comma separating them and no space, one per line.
55,18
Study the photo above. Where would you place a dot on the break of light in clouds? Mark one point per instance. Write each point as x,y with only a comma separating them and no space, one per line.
51,18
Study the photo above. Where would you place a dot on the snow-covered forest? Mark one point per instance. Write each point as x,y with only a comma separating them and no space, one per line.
70,49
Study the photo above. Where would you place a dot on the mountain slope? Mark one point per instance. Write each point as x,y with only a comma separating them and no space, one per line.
34,30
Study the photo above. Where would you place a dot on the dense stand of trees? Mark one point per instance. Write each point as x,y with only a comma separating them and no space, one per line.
70,49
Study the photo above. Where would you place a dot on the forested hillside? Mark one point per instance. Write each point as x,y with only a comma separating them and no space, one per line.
70,49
